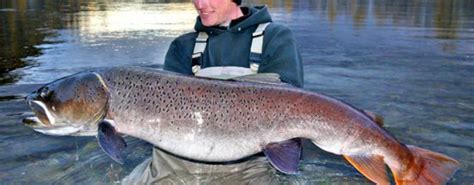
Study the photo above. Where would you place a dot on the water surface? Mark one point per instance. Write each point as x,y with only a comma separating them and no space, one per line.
410,61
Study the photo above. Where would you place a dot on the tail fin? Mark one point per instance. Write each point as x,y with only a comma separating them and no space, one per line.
429,168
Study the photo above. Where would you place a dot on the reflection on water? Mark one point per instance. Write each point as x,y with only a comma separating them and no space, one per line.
28,24
31,27
410,60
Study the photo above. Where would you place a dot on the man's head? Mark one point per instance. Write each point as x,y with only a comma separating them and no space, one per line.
217,12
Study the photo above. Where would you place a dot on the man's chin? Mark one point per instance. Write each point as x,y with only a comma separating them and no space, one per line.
209,21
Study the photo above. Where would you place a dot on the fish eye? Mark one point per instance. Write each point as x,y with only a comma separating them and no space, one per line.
44,92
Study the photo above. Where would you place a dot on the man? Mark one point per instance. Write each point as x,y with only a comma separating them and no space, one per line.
231,36
230,28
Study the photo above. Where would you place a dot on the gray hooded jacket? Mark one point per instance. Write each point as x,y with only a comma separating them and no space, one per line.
231,47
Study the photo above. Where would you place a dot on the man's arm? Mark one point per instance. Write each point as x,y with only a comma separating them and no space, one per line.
281,55
178,58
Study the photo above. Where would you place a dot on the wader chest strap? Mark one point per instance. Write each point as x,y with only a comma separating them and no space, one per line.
257,47
199,47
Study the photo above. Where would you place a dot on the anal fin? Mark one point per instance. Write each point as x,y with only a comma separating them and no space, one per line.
284,156
372,167
110,141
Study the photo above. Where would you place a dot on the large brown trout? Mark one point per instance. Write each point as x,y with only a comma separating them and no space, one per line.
215,121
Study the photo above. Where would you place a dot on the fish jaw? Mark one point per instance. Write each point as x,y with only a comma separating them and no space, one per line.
35,123
47,125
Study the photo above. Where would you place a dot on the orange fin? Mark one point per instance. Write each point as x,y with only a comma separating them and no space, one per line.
375,117
431,168
372,167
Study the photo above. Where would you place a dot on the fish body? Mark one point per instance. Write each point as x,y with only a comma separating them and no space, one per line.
217,121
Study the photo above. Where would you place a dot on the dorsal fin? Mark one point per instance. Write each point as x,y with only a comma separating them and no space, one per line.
375,117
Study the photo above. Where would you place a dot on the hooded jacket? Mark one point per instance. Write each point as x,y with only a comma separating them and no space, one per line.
231,47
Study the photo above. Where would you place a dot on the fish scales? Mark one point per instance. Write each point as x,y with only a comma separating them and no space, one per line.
212,113
222,115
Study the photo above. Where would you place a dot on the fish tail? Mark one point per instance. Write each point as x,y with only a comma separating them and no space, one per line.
427,167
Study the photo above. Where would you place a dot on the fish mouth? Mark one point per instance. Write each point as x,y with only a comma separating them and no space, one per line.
44,122
63,130
33,122
42,113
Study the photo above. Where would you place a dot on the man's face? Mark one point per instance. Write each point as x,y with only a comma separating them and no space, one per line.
214,12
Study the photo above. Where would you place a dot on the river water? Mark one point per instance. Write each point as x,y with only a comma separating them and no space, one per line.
411,61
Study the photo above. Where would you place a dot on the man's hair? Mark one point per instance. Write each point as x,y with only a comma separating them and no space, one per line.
238,2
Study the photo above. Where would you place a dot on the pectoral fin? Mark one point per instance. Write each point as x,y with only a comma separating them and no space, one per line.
110,141
284,156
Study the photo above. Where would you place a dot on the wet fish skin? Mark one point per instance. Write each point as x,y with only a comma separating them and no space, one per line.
216,110
212,120
206,122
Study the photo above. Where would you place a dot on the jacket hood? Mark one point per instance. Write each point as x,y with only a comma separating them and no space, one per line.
257,15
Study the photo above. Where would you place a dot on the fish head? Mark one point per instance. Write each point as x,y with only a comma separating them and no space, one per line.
72,105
